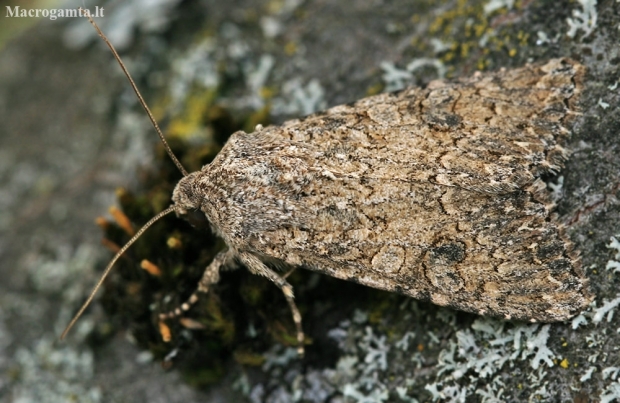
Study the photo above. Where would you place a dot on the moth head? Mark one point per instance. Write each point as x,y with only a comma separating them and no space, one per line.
187,201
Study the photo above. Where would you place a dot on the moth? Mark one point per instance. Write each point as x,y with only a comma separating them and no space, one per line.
433,192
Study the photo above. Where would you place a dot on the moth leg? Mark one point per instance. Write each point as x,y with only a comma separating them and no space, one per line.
209,277
256,266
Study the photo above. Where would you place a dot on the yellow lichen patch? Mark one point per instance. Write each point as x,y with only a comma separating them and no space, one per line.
267,92
471,30
160,108
523,38
375,89
290,48
564,364
191,122
274,6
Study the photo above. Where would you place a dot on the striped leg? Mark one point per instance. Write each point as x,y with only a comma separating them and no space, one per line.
210,276
256,266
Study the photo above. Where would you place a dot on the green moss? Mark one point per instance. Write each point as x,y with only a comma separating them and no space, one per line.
249,358
203,377
383,304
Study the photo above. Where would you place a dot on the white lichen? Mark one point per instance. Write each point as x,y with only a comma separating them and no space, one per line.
613,265
271,26
541,394
578,321
607,309
374,396
242,384
401,391
489,395
360,317
299,99
439,46
602,103
279,356
494,5
588,375
481,352
376,351
595,339
557,189
316,387
433,388
610,373
448,393
611,393
417,64
538,345
403,343
542,38
433,339
584,19
54,274
418,359
197,66
256,75
614,244
48,373
396,79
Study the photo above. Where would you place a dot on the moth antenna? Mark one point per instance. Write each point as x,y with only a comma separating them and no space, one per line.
135,89
109,267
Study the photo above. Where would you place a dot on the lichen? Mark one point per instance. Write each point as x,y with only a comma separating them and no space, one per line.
584,19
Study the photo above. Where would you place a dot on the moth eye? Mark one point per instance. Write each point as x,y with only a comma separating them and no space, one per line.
197,219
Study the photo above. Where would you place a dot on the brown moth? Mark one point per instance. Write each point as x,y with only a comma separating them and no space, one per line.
430,192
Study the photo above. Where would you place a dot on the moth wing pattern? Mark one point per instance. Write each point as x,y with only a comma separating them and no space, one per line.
456,131
434,193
